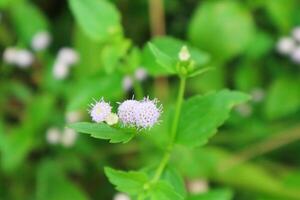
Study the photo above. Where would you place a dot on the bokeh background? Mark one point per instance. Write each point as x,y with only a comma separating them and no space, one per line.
53,65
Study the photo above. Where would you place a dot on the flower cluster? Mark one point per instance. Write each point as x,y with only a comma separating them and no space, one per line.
140,75
290,45
131,113
66,58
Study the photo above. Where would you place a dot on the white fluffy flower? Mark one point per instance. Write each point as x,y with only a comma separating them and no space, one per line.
126,112
121,196
147,113
295,55
286,45
53,136
258,94
41,41
100,110
197,186
127,83
296,33
184,54
60,70
10,55
67,56
112,119
73,116
68,137
140,74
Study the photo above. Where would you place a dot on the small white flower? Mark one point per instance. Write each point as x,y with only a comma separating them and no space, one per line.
258,94
147,113
112,119
197,186
60,70
140,74
24,58
245,110
100,110
286,45
296,33
68,137
121,196
41,41
126,112
10,55
73,116
53,136
67,56
295,55
127,83
184,54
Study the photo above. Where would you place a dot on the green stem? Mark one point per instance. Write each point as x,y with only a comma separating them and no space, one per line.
138,90
164,161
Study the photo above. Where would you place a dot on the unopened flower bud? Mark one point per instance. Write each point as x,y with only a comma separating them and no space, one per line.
184,54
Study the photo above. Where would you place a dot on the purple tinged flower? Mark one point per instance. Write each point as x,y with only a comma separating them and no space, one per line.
100,110
41,41
147,113
126,112
127,83
140,74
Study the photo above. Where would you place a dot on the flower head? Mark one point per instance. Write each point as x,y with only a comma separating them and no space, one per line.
68,137
9,55
67,56
40,40
60,70
147,113
100,110
127,83
140,74
184,54
112,119
53,135
296,33
286,45
126,112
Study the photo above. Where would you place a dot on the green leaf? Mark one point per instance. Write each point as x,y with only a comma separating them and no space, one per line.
215,194
53,185
98,19
103,131
200,71
202,115
283,98
163,60
129,182
28,20
222,28
161,55
171,176
162,190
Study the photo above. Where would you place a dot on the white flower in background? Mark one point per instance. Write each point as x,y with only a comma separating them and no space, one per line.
258,94
140,74
147,113
295,55
184,54
41,41
197,186
60,70
68,137
296,33
73,116
67,56
100,111
10,55
24,58
112,119
121,196
286,45
126,112
245,110
53,136
127,83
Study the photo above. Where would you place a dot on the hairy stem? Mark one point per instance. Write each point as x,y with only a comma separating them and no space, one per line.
164,161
